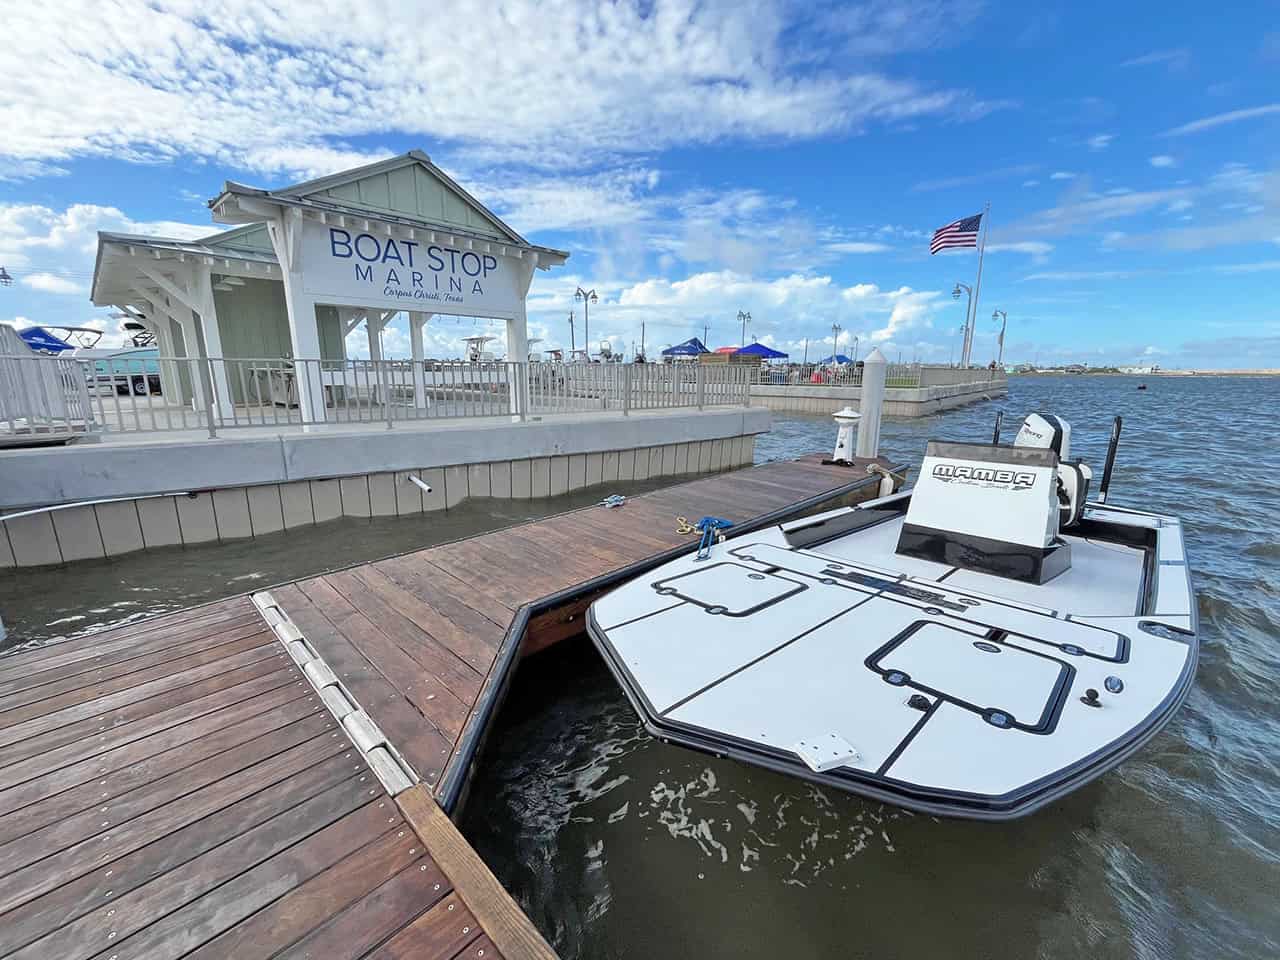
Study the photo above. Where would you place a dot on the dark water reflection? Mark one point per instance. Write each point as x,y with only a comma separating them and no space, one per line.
621,846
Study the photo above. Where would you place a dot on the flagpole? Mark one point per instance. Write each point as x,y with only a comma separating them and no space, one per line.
977,287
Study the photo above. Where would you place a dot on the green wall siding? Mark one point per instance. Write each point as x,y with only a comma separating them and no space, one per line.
416,192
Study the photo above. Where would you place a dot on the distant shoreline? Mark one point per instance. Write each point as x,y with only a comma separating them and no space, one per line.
1158,373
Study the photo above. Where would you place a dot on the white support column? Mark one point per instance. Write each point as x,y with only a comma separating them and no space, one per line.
304,332
186,322
417,324
202,288
518,336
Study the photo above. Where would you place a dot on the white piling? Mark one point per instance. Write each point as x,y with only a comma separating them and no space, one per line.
871,404
846,420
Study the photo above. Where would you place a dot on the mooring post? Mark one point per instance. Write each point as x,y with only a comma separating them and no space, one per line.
870,404
846,420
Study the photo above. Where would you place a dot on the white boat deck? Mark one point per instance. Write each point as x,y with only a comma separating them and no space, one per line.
942,689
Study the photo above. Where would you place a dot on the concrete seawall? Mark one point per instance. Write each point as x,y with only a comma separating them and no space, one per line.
898,401
234,488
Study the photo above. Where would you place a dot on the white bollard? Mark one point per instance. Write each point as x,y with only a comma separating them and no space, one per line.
846,420
871,403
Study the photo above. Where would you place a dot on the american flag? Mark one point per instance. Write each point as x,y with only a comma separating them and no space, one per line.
958,233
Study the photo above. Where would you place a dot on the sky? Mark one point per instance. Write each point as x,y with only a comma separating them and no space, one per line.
789,160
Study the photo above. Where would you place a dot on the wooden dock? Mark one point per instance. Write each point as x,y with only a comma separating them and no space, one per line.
186,786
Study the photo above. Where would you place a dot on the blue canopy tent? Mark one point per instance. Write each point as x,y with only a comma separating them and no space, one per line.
690,348
38,338
761,351
838,358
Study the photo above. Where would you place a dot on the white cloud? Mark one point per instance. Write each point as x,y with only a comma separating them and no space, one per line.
289,88
1260,267
1163,160
1031,183
52,283
858,247
1100,141
1035,248
1072,275
972,179
1176,58
1219,119
1062,175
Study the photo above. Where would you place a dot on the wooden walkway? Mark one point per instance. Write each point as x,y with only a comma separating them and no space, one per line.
178,788
419,639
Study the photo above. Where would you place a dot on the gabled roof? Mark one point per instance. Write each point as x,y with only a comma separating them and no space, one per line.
408,189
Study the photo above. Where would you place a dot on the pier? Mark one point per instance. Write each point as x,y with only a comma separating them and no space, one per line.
273,774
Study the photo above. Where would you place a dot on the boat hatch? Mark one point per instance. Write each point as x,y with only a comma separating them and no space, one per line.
729,588
1008,685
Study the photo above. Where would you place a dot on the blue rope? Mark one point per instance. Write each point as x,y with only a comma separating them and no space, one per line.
709,526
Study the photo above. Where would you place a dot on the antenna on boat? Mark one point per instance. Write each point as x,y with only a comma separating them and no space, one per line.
995,434
1111,460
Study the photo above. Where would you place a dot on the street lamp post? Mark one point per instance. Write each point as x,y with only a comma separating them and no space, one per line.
744,319
855,352
587,297
1004,322
835,342
966,346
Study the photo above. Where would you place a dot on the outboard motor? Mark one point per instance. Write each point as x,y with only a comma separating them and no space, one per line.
1045,431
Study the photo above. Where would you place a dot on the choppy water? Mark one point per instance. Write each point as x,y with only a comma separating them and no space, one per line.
620,846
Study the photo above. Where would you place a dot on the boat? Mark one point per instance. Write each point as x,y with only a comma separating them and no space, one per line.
978,646
1142,386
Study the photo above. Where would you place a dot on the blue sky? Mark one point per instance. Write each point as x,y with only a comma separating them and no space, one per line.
698,159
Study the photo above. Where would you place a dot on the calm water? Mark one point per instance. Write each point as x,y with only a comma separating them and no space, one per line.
620,846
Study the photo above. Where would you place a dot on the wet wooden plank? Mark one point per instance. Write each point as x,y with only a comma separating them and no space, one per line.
55,682
178,911
473,649
429,695
294,914
422,744
115,878
440,588
373,918
262,647
68,658
106,809
443,931
504,921
62,791
95,687
98,733
115,840
458,676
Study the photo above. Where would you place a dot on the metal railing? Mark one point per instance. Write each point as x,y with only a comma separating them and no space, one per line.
829,375
43,398
215,394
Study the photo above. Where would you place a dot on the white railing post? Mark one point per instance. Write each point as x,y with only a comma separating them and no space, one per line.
701,385
626,389
871,404
206,390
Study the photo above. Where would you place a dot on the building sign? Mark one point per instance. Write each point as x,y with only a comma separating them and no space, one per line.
347,266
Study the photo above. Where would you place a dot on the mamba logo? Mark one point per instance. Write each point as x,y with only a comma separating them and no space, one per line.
1014,479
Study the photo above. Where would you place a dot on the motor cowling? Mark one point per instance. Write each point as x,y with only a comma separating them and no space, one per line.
1046,431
